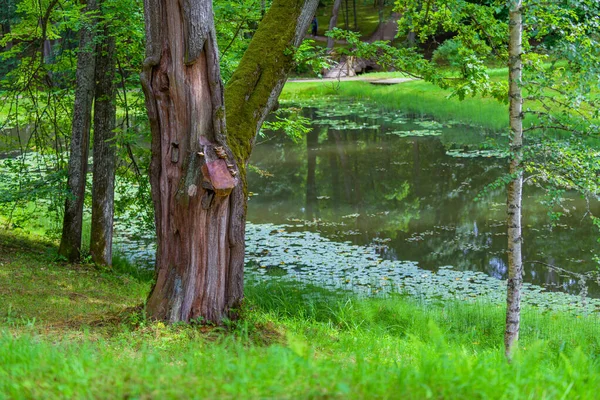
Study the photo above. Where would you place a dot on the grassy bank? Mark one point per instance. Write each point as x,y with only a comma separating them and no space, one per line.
74,331
415,96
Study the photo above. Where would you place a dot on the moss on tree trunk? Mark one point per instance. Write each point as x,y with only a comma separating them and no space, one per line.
198,167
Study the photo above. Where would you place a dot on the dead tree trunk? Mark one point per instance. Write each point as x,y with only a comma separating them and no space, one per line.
70,243
197,170
515,187
104,152
333,22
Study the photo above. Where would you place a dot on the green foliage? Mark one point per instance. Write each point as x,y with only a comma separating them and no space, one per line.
38,98
310,58
292,124
251,85
448,53
473,78
235,23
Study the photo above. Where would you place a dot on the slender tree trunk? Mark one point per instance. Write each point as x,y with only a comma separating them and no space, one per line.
197,171
5,31
346,15
7,13
333,22
104,152
354,12
70,243
380,15
515,187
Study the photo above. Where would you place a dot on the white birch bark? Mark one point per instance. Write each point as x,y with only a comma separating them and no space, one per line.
515,187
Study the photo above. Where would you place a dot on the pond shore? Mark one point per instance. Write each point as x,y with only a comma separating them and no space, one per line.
414,96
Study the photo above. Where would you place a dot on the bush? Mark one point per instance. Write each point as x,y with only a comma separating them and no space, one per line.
448,54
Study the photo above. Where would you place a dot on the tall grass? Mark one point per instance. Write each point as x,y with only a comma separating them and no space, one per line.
293,342
72,331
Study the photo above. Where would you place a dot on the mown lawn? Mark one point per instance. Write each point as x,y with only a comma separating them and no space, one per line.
414,96
73,331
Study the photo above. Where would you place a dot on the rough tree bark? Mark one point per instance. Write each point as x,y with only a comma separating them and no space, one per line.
333,22
104,152
198,168
70,243
515,187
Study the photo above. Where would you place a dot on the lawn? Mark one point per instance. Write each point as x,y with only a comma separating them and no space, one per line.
414,96
73,331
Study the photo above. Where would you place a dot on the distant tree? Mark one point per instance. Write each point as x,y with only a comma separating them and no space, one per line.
104,150
333,22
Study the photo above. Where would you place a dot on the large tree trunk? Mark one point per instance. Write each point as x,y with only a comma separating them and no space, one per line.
333,22
104,152
515,187
197,171
70,243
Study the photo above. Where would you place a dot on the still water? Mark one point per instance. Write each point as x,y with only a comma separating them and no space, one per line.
408,187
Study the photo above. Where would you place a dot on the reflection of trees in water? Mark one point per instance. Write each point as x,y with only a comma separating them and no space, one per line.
312,141
404,188
497,268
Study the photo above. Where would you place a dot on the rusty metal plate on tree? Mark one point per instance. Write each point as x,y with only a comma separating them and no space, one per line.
219,176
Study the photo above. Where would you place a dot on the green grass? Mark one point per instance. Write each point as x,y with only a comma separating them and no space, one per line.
69,331
415,96
423,98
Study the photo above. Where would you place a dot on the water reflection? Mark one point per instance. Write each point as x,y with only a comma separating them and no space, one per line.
412,201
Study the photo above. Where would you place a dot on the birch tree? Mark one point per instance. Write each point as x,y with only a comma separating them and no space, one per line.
515,186
561,94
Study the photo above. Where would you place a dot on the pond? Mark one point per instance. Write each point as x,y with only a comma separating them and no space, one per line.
407,187
374,201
